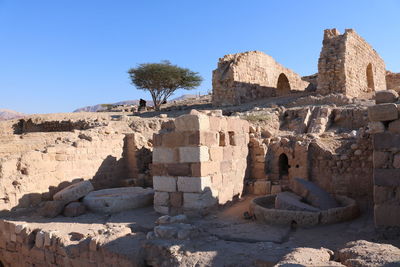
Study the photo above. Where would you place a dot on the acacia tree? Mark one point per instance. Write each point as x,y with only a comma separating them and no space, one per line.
163,79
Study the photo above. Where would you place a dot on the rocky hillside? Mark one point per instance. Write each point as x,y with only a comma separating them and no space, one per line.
7,114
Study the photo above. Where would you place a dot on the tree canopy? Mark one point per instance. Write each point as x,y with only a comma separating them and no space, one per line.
163,79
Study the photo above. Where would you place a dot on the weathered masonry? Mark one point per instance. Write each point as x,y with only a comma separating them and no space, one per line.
349,65
199,162
247,76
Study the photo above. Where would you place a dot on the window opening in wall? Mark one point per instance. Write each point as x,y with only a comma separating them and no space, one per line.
222,139
231,138
370,78
283,165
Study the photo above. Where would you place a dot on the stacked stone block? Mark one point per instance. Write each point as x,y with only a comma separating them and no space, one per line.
385,124
199,163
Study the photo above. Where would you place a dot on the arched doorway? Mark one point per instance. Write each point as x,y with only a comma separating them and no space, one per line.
283,165
370,78
283,85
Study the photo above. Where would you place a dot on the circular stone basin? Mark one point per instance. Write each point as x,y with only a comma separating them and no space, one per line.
118,199
263,208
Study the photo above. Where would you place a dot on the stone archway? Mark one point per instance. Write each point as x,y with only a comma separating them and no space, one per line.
283,85
283,165
370,78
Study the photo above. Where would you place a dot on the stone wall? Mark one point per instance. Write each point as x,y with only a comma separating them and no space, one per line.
23,244
248,76
349,65
385,124
199,163
393,81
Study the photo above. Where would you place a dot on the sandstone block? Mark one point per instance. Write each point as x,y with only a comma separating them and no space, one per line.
290,201
387,177
227,166
161,209
118,199
193,184
380,159
173,139
387,215
190,122
176,199
375,127
164,183
396,161
216,154
204,168
384,141
51,209
161,198
394,127
262,187
39,239
193,154
275,189
74,209
179,169
164,155
383,112
384,194
74,191
386,96
315,195
197,201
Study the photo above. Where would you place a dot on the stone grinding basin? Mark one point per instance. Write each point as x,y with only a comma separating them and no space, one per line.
264,210
118,199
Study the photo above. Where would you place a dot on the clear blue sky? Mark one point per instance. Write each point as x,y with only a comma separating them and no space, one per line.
59,55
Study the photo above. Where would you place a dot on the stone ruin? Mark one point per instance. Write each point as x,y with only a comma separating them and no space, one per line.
199,162
347,65
78,190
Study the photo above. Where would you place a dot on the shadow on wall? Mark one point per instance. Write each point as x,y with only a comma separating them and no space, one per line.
29,126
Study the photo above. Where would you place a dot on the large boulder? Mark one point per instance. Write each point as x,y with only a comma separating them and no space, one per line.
74,209
386,96
290,201
74,192
364,253
51,209
308,257
383,112
118,199
313,194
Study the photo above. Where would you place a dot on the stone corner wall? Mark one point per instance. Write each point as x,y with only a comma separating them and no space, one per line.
248,76
199,163
385,125
349,65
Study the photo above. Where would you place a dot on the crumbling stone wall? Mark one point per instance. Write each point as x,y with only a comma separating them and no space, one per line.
199,163
349,65
23,244
27,177
393,81
248,76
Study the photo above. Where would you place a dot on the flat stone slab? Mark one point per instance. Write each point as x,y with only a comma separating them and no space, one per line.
290,201
74,192
251,232
315,195
118,199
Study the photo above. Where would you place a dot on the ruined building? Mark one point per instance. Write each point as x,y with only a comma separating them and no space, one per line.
347,65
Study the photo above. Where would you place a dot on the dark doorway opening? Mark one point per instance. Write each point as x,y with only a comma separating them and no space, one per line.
283,85
283,165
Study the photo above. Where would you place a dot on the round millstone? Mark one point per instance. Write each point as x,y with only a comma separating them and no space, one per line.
118,199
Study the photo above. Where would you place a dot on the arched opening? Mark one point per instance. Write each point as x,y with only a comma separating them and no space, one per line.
283,85
283,165
370,78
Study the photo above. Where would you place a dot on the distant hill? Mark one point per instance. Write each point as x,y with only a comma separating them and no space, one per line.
7,114
99,107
